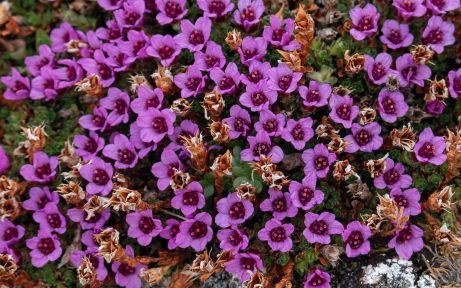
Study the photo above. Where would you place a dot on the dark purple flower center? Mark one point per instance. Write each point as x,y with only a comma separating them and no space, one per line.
93,219
404,235
237,211
362,137
427,150
439,4
104,71
262,149
226,83
389,105
165,52
319,227
125,156
43,171
258,98
114,33
137,46
395,36
210,61
192,83
278,234
46,246
321,162
120,106
313,95
196,37
401,201
278,34
408,72
305,195
317,280
171,168
235,238
457,84
239,124
284,82
248,54
71,73
54,220
408,5
248,14
172,9
355,239
159,125
217,7
435,36
18,85
174,230
297,133
391,176
190,198
146,224
378,71
100,177
10,233
93,260
198,230
271,125
344,112
279,204
131,17
247,263
98,121
126,269
49,84
41,203
152,102
255,76
366,23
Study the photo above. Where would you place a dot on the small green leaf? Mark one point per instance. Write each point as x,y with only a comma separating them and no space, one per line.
208,191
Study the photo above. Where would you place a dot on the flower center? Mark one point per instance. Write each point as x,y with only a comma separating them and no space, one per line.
165,52
391,176
125,156
258,98
277,34
284,82
54,220
171,168
305,195
174,230
297,133
278,234
237,210
235,238
98,121
408,5
363,137
172,9
46,245
457,84
261,149
395,36
137,46
378,71
316,280
196,37
434,37
355,239
41,203
93,219
439,3
198,230
404,235
126,269
18,86
247,263
43,171
321,162
152,102
10,233
248,54
319,227
104,71
271,125
366,23
100,177
190,198
210,61
248,14
401,201
313,95
279,205
226,83
131,17
239,124
91,145
71,73
192,83
146,224
344,112
255,76
159,125
389,106
120,106
217,7
427,150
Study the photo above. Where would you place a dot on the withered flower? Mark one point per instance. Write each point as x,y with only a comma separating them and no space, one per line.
342,91
10,207
75,47
223,164
120,180
7,266
331,253
163,79
304,32
337,145
373,221
11,187
343,170
440,200
136,81
179,180
109,247
73,173
72,192
180,107
392,83
198,152
246,191
35,141
204,266
326,130
359,190
354,63
68,156
124,199
366,115
91,86
219,131
438,90
257,280
86,273
234,40
404,138
346,27
94,206
153,276
213,104
183,279
388,209
376,167
293,60
445,235
4,12
453,143
422,54
269,173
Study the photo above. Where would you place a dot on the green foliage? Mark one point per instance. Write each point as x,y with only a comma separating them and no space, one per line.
305,260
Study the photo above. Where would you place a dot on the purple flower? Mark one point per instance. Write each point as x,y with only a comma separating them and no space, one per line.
226,81
42,170
45,58
122,151
45,248
407,241
155,124
407,199
98,65
88,146
271,123
442,6
438,34
170,10
430,148
257,72
195,232
50,219
76,258
95,122
165,48
5,162
45,85
232,239
435,107
258,96
191,82
88,238
186,128
305,195
232,210
10,233
316,95
143,147
355,236
396,35
39,197
343,111
378,68
61,36
298,132
147,98
215,9
99,176
318,160
96,221
391,105
409,8
170,232
110,5
70,74
135,46
393,176
143,227
410,72
239,122
118,103
317,279
194,37
243,264
165,169
189,199
279,204
454,83
320,227
132,14
261,144
283,79
125,275
248,13
364,21
277,235
279,33
18,86
212,58
252,49
364,138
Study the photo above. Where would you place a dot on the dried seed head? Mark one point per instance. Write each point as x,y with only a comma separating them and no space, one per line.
304,32
392,83
124,199
213,104
438,90
326,130
86,273
136,81
4,12
223,164
68,156
343,170
354,63
404,138
388,209
180,107
73,173
422,54
11,187
91,86
294,61
453,143
7,266
94,206
332,253
163,79
179,180
359,190
366,115
75,47
109,247
269,173
374,222
72,192
219,131
257,280
246,191
153,276
10,207
441,200
376,167
337,145
199,154
342,91
35,141
234,40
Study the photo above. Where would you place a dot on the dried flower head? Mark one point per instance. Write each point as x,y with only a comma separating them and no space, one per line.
325,130
68,156
388,209
366,115
153,276
343,170
438,90
392,83
7,267
404,138
422,54
246,191
10,207
213,104
374,222
331,253
75,46
257,280
337,145
440,200
109,247
223,163
199,154
179,179
35,141
73,173
72,192
204,266
354,63
269,173
453,143
86,272
124,199
94,206
4,12
91,86
234,40
163,79
342,91
294,61
180,107
11,187
219,131
376,167
136,81
359,190
304,32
